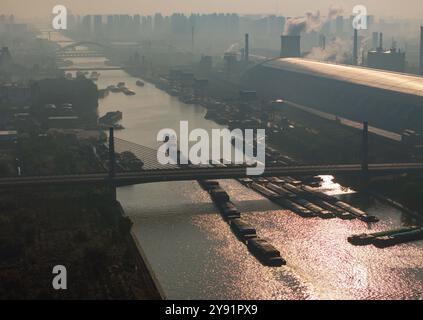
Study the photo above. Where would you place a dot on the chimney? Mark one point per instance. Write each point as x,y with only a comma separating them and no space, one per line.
247,48
355,50
421,50
322,42
290,46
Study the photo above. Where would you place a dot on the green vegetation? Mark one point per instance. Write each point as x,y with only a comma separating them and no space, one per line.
57,154
80,229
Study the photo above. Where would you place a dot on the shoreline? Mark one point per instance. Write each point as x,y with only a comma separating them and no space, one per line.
141,256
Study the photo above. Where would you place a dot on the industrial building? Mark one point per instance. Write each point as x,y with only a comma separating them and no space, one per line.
392,101
392,59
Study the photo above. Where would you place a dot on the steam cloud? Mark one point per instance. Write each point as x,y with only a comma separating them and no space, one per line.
337,50
311,22
234,48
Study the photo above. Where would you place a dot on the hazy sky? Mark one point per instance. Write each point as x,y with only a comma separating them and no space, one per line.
37,8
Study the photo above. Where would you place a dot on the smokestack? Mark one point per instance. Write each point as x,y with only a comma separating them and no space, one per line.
355,50
247,48
322,42
192,38
421,50
381,41
290,46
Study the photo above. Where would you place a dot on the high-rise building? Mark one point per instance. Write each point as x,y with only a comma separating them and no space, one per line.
98,24
86,24
339,25
137,24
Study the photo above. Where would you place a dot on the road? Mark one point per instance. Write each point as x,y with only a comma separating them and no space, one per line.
186,174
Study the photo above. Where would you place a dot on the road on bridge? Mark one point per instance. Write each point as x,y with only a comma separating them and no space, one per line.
192,173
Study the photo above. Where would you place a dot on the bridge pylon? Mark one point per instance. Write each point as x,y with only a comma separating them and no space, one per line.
365,156
112,163
112,155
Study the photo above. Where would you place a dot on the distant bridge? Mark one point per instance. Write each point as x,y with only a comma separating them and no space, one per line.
93,68
78,54
82,44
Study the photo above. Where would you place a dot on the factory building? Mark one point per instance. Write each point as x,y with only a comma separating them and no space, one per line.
388,100
290,46
392,59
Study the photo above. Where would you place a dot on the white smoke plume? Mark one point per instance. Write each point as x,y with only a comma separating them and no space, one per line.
311,22
234,48
337,50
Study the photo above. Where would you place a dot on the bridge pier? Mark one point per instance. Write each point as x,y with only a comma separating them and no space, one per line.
365,158
112,163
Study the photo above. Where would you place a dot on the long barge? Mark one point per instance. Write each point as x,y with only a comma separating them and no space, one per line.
387,238
243,230
265,252
262,250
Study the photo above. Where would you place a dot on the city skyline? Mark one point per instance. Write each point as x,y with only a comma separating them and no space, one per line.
407,9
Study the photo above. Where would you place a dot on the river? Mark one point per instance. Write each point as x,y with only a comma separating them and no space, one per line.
194,254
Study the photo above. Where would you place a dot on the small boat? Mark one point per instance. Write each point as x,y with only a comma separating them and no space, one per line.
139,83
94,76
243,230
114,89
265,252
127,91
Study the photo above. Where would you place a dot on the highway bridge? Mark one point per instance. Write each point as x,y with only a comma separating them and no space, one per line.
186,173
151,171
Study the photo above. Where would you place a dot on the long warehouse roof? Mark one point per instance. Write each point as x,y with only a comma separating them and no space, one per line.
398,82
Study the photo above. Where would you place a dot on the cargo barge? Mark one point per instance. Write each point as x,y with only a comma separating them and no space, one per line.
265,252
243,230
399,238
110,118
264,191
387,238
